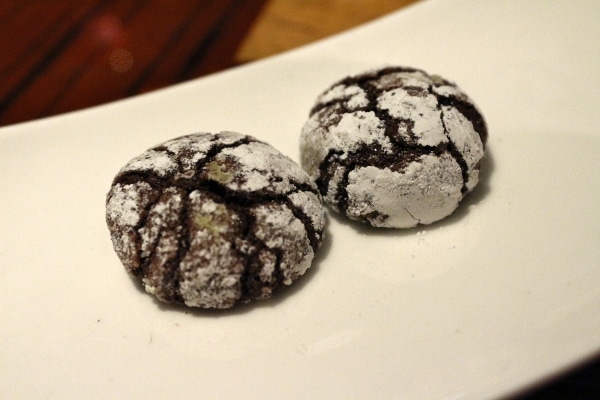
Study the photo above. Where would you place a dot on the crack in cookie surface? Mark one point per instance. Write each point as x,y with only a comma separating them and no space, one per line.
398,120
222,219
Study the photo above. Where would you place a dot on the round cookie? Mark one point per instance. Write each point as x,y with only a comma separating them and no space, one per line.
394,147
214,220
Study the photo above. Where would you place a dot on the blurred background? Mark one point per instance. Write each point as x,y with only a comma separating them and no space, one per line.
64,55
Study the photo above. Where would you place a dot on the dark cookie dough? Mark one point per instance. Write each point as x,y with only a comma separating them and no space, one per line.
214,220
394,147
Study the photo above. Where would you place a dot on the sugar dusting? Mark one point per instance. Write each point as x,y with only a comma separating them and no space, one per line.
255,166
424,192
277,227
200,249
211,269
403,116
156,161
427,128
124,206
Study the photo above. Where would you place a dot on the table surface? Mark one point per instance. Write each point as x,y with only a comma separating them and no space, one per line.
60,56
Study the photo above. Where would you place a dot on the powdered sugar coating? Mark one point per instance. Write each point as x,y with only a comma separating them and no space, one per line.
214,220
435,181
394,147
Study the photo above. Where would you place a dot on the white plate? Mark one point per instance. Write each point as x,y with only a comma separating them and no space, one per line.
499,296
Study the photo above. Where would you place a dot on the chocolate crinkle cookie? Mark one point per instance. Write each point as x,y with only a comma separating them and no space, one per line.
211,221
394,147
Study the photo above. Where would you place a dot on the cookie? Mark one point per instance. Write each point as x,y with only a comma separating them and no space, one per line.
394,147
211,221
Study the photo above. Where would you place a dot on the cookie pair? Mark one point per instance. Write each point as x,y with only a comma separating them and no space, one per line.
213,220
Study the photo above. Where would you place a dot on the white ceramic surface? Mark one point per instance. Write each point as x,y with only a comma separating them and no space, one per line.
501,295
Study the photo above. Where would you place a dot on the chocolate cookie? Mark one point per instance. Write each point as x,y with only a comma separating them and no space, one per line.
394,147
214,220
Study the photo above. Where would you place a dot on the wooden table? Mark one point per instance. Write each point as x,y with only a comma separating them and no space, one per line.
63,55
